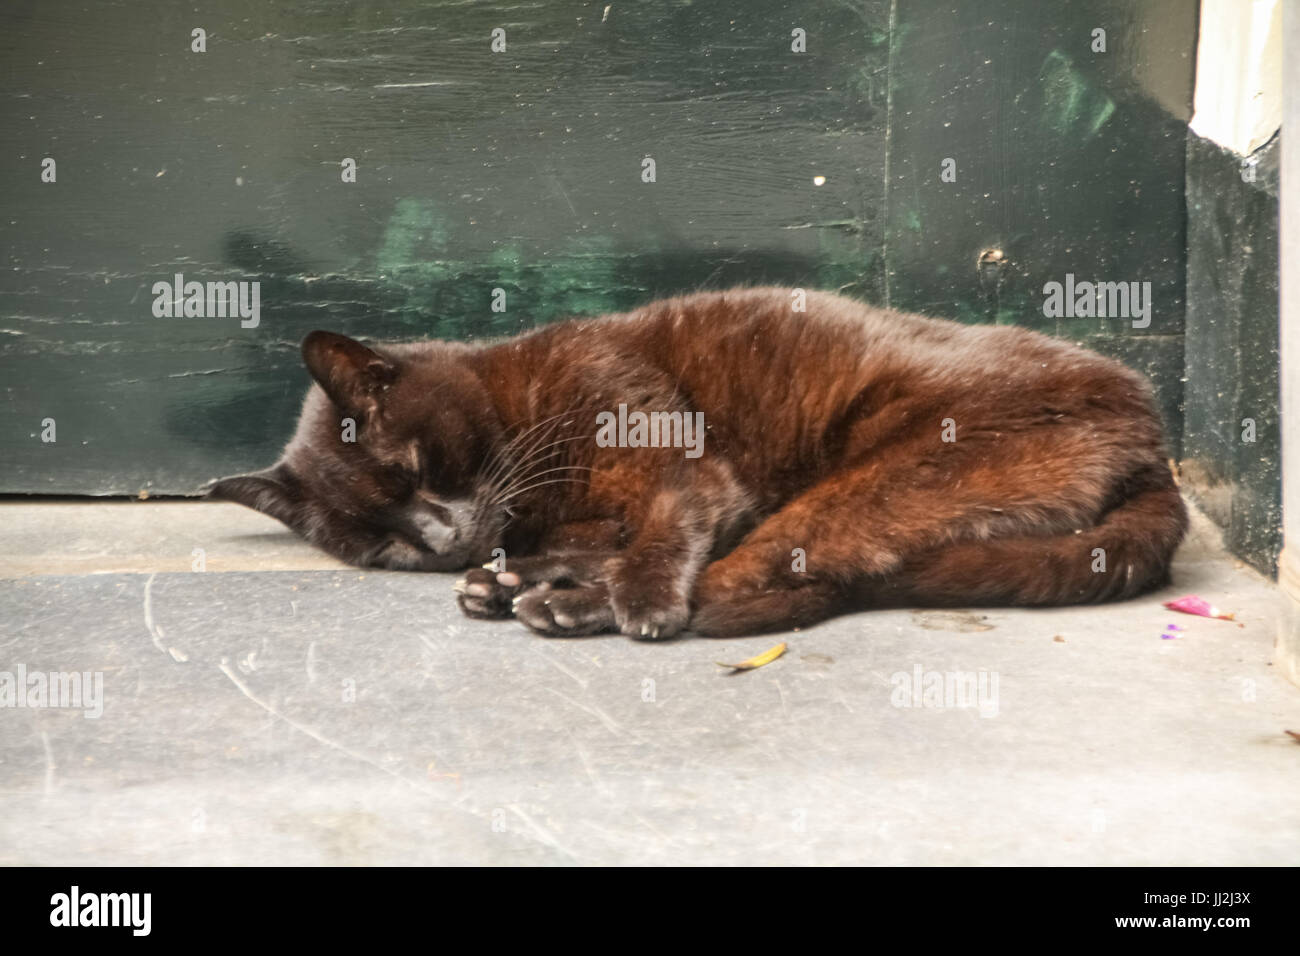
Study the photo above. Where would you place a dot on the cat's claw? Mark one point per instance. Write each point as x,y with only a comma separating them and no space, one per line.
648,622
645,600
651,624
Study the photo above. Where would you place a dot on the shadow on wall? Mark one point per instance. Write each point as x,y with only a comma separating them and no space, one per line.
424,293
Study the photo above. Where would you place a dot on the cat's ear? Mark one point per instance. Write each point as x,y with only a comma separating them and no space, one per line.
272,491
353,376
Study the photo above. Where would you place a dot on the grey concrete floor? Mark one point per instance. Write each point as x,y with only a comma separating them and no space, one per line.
278,708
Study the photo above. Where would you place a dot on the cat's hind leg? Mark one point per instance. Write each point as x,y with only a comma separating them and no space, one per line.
741,611
1124,554
857,538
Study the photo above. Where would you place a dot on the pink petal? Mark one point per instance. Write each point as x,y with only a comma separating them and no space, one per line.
1191,604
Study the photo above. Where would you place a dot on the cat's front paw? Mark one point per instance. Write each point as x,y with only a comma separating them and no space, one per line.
566,612
488,594
646,606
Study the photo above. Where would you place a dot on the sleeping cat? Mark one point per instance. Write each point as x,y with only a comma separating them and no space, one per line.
850,457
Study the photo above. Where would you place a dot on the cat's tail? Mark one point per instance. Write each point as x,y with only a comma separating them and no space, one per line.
1127,553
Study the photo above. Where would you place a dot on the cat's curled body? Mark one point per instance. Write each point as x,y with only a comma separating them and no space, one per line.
852,457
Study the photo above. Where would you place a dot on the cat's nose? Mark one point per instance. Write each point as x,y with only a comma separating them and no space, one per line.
436,535
443,529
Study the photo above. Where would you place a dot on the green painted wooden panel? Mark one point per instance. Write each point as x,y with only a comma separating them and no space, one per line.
1232,446
1069,159
521,170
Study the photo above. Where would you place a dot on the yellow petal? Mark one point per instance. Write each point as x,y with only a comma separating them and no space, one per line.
766,657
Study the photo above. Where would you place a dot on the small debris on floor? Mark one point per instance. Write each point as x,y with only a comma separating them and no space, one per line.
1171,632
817,658
1191,604
951,621
1295,735
1059,639
767,657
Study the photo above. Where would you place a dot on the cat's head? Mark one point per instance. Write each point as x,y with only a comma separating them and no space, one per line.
387,466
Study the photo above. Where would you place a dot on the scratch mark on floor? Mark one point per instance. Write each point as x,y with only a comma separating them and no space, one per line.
49,763
785,710
311,732
543,834
586,765
558,666
155,631
539,833
612,725
603,788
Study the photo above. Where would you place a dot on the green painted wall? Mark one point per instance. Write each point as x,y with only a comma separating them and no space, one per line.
1232,432
522,170
1068,161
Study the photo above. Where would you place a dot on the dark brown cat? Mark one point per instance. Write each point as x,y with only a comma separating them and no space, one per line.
851,457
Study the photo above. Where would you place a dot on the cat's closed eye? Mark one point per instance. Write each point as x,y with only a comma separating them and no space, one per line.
397,481
447,477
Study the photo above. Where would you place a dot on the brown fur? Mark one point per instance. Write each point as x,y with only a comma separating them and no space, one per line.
824,433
